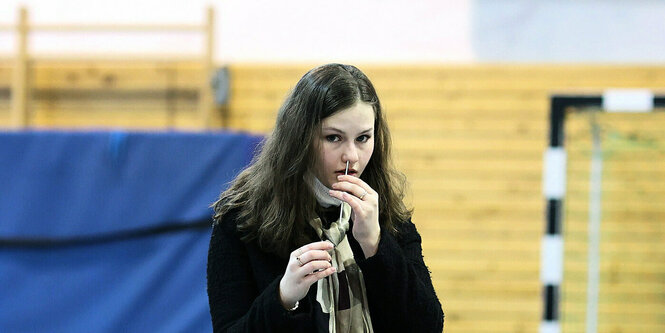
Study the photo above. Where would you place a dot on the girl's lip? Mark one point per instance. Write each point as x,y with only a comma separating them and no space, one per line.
352,173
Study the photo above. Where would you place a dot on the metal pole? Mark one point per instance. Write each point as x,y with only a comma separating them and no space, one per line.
205,97
595,188
19,113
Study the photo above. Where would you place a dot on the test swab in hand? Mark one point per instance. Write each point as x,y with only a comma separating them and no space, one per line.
341,206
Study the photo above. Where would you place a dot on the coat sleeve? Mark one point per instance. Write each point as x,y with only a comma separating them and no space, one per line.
236,304
399,287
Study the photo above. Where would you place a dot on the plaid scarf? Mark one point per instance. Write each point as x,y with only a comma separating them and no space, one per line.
342,295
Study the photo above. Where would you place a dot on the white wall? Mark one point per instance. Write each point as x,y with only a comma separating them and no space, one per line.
367,30
259,31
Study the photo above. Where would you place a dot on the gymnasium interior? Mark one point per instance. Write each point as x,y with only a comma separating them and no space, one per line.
120,125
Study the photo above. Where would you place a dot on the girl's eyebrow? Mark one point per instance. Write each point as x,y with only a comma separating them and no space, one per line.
369,130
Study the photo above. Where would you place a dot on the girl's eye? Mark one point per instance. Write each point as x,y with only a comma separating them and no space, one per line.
332,138
363,138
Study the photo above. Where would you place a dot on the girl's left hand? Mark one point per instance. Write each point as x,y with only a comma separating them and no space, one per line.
364,202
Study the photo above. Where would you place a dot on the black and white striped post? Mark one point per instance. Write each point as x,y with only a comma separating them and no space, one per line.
554,188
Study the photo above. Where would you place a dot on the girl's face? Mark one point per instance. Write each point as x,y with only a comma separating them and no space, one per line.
347,135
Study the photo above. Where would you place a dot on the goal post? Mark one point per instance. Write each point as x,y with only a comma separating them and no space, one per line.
554,189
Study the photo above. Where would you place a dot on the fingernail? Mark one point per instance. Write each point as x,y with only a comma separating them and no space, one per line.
339,177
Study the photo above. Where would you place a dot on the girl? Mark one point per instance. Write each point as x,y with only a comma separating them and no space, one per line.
314,236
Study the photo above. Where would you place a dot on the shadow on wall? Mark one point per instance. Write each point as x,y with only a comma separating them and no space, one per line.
569,31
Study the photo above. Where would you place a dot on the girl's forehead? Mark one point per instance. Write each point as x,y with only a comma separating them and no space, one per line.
360,116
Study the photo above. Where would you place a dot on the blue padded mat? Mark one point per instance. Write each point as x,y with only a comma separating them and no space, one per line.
109,231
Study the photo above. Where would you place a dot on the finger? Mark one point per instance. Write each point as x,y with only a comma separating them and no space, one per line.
314,266
315,255
352,200
357,181
294,264
322,245
354,189
310,279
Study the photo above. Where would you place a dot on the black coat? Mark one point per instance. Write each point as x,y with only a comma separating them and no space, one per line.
243,286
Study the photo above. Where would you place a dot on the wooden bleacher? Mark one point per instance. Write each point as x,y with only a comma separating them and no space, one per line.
471,141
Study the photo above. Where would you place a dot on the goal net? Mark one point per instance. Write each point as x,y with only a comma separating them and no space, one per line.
614,229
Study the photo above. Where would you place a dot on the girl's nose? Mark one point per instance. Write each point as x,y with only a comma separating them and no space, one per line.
350,154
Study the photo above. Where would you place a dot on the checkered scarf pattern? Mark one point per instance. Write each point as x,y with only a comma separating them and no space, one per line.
342,295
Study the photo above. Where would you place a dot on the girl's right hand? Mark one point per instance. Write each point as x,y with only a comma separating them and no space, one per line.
307,265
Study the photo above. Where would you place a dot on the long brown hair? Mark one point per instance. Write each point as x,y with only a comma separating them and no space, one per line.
274,202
